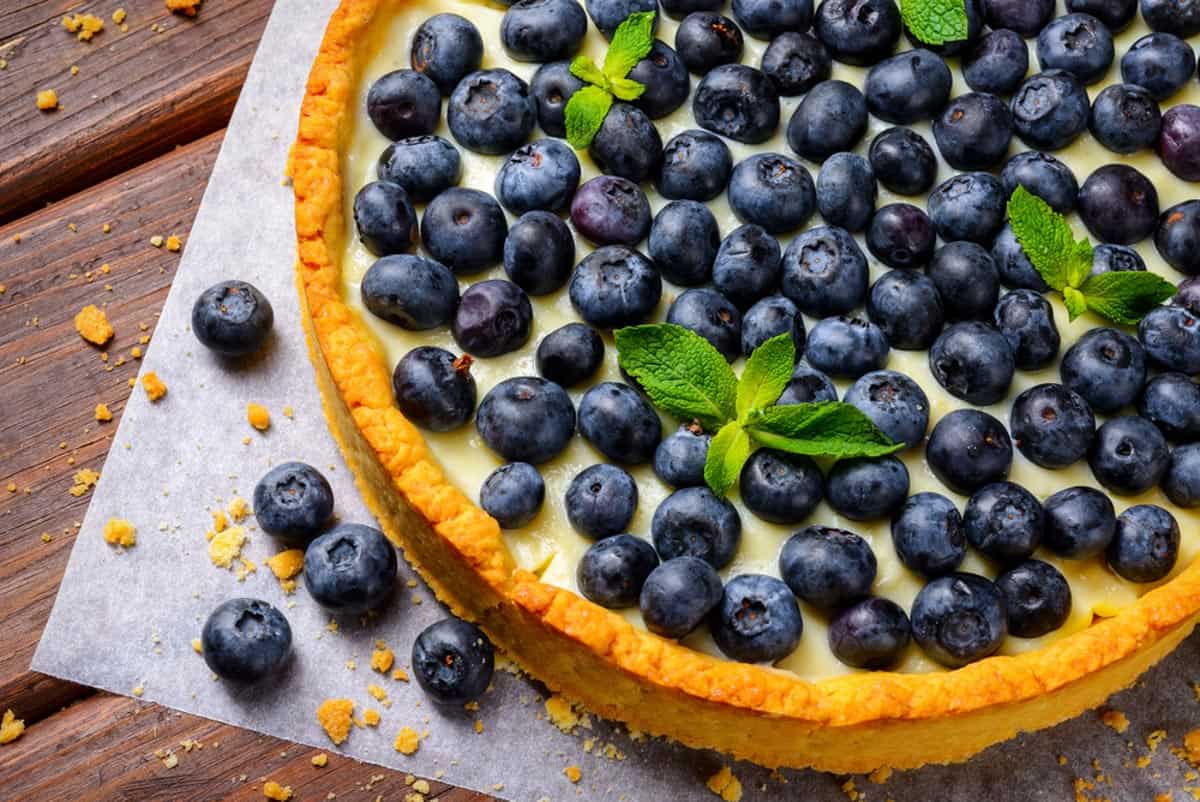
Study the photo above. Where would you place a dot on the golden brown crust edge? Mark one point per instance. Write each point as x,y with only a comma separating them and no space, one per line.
852,723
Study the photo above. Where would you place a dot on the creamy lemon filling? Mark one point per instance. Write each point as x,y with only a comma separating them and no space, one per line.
550,547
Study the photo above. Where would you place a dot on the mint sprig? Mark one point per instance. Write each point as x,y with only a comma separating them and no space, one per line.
587,108
686,377
1065,264
935,22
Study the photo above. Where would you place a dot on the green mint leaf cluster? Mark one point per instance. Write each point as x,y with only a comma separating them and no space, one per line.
587,108
1066,263
686,377
935,22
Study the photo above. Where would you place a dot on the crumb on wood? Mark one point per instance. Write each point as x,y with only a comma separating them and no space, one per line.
320,761
189,8
174,244
277,792
103,413
84,480
120,532
336,717
154,387
11,727
84,26
47,100
92,325
119,16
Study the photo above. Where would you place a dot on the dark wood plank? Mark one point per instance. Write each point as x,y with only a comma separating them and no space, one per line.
165,82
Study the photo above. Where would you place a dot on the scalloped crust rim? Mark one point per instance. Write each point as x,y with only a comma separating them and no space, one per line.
852,723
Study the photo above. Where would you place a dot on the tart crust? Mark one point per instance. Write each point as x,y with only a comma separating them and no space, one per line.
852,723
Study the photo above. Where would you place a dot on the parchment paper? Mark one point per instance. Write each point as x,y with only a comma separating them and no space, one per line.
124,620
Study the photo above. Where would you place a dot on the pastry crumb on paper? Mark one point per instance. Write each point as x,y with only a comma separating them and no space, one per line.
336,716
725,785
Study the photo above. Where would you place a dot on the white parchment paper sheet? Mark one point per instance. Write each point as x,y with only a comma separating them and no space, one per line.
124,620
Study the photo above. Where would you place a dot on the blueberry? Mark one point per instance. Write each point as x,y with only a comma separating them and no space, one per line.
513,494
678,595
232,318
711,315
757,619
772,191
871,633
901,235
453,662
846,347
494,317
846,191
464,229
928,536
1180,17
796,62
1161,63
973,361
551,87
539,253
610,210
1129,455
414,293
1013,263
423,165
996,63
293,502
1146,544
491,112
1182,480
543,30
627,144
1076,43
350,570
867,489
771,317
1107,367
858,32
526,419
779,487
1171,337
679,459
969,449
903,161
1003,521
612,572
434,389
695,166
1116,14
1078,522
826,567
446,47
806,386
619,423
1177,237
245,640
831,118
907,308
1171,401
1187,294
1037,598
683,242
695,522
1052,426
894,402
1026,17
570,355
665,78
974,131
967,280
1050,109
738,102
1026,319
824,272
541,175
384,218
958,619
908,87
607,15
1118,204
1179,141
766,19
747,265
615,287
601,501
1116,259
970,206
1043,175
705,40
404,103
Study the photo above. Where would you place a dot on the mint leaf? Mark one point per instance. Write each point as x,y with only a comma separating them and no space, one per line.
585,113
626,89
822,429
935,22
1048,241
727,453
1075,302
766,375
630,44
1125,297
681,372
585,69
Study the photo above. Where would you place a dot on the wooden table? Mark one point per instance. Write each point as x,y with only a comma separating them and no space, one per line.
131,148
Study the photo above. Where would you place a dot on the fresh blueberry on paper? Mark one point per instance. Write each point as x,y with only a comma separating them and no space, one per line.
453,661
232,318
293,502
351,569
245,640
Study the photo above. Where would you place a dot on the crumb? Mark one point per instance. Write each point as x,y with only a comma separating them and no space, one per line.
1115,720
74,69
725,785
562,714
12,487
47,100
154,387
336,716
197,646
1191,747
407,741
92,325
102,413
238,509
1163,797
351,665
285,566
121,533
400,674
157,241
880,776
138,691
479,726
188,8
11,727
258,416
320,761
173,244
371,717
46,537
382,659
84,26
135,352
1155,738
288,412
85,479
118,16
220,521
225,547
273,790
573,774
